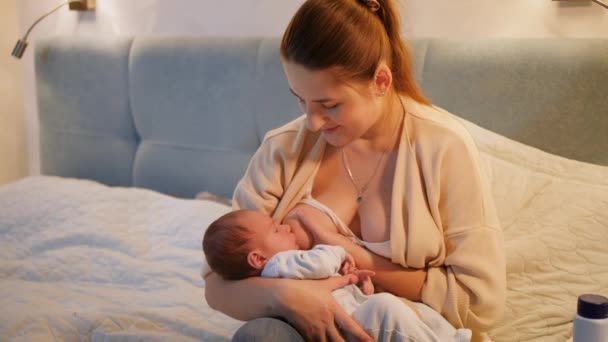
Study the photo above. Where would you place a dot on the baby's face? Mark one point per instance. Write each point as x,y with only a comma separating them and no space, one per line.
268,236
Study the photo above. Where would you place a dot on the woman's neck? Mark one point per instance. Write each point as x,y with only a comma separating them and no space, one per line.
384,134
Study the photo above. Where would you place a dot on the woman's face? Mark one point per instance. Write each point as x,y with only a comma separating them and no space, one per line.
341,111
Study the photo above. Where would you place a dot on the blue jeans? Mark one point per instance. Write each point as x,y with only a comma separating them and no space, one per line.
267,329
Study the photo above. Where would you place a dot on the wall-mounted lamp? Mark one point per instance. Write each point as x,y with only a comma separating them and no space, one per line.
599,2
76,5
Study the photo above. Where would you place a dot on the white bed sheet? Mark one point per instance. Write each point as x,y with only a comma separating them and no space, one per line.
80,261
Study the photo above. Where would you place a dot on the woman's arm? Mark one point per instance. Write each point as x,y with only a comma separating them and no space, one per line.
230,298
392,277
306,304
469,289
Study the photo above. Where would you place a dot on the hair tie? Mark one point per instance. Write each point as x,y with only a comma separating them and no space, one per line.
372,5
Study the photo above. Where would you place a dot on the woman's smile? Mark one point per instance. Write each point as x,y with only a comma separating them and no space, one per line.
330,130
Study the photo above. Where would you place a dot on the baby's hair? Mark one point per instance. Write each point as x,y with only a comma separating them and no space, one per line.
226,246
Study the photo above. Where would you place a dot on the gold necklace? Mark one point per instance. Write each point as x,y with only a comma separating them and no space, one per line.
361,190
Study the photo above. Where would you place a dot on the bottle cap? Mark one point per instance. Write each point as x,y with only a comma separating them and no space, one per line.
592,306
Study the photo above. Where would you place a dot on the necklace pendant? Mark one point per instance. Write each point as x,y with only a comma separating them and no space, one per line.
359,199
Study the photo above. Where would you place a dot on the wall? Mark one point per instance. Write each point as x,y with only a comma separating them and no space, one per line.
422,18
13,157
500,18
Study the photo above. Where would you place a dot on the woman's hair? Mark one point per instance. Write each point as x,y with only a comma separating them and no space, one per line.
226,247
354,36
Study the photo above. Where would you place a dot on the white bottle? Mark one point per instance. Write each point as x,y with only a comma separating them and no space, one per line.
591,320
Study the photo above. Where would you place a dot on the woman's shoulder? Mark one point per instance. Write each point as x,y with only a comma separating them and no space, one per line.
288,130
434,119
434,127
290,140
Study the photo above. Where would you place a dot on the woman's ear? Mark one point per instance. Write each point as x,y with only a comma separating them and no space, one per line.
256,259
383,79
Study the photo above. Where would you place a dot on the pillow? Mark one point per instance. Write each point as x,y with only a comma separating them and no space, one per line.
554,214
207,196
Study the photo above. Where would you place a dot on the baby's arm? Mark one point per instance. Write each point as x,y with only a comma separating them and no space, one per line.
320,262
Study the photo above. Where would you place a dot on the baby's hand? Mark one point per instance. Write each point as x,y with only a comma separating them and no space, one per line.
365,281
348,266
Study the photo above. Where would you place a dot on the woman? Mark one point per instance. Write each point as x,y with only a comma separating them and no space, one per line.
393,172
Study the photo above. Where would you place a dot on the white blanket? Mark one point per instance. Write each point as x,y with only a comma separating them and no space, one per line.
80,261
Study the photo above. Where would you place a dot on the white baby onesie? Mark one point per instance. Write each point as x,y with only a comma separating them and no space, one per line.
321,262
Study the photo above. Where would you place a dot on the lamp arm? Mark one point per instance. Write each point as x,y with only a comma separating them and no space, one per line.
44,16
601,3
22,43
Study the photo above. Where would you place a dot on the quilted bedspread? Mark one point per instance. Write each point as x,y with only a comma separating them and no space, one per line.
80,261
554,214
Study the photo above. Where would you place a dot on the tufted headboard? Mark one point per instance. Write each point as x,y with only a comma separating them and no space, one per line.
183,115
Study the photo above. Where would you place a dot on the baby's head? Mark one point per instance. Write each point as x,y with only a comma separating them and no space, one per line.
238,244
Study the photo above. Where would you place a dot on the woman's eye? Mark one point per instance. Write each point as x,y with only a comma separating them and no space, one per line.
334,106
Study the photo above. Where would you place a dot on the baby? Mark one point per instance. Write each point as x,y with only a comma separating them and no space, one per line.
246,243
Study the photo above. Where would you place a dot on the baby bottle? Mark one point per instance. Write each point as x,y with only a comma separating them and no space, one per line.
591,320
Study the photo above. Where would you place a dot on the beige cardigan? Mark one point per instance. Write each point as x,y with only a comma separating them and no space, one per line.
443,216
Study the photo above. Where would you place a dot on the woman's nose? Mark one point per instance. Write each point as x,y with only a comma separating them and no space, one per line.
314,120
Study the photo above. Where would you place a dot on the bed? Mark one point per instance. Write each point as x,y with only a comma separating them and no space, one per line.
106,244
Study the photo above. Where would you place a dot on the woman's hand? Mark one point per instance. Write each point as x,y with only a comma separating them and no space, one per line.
309,306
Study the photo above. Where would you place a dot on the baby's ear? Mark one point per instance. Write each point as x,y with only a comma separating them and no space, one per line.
256,259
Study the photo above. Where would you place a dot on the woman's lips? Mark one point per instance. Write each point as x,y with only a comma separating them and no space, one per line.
330,130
